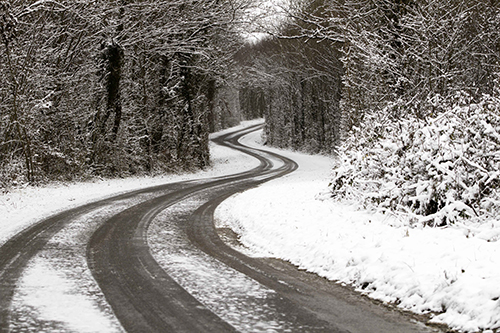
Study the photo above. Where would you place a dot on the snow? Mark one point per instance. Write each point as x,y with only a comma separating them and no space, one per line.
453,272
231,295
57,290
22,207
57,298
443,168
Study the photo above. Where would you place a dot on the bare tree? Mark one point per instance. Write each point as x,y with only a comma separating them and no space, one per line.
296,77
110,87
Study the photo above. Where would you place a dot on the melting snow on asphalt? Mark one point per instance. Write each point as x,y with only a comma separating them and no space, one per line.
234,297
53,293
49,299
22,207
57,292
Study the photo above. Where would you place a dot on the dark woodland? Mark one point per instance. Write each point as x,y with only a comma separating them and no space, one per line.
115,88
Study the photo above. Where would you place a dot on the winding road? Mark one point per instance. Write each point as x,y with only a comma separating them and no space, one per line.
153,261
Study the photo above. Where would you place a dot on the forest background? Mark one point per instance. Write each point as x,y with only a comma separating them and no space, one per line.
404,92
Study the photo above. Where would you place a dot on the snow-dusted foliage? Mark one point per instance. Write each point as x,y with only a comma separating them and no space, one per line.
438,169
87,91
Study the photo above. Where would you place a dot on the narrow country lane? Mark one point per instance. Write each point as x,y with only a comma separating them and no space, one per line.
157,264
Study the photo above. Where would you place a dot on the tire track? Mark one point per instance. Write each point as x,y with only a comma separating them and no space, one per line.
143,296
16,253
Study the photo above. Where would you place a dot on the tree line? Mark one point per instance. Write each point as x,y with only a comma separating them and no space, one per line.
330,63
406,93
112,88
108,88
294,80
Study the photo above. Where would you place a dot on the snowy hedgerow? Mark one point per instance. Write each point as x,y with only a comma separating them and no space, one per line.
437,169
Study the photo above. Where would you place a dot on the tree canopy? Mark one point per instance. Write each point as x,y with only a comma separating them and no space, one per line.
111,88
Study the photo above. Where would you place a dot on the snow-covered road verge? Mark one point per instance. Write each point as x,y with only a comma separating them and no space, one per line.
56,287
21,207
453,272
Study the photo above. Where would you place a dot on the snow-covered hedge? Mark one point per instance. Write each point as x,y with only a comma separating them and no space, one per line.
437,170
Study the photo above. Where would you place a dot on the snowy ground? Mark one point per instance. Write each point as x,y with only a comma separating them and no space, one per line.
57,292
20,208
454,271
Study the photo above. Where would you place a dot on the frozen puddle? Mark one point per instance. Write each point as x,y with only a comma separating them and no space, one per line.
234,297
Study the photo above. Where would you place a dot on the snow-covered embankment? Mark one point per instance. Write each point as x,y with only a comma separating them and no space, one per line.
451,271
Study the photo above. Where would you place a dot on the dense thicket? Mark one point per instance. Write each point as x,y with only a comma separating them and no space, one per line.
111,87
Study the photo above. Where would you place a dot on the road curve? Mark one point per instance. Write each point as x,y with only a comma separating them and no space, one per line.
148,294
147,299
143,296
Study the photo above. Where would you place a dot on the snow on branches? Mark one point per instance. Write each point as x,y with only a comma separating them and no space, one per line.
7,24
438,169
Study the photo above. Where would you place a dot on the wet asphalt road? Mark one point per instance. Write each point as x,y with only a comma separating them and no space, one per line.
158,265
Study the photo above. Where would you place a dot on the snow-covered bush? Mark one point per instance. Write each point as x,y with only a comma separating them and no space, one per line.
438,169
